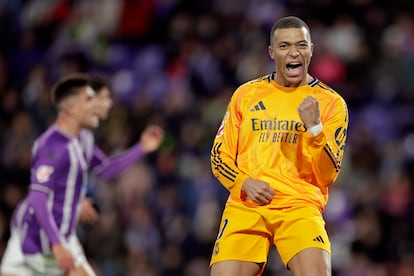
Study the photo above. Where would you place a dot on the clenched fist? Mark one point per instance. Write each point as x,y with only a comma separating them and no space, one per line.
258,191
309,111
151,138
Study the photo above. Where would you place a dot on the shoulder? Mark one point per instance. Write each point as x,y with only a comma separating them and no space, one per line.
261,81
51,145
255,84
325,89
332,99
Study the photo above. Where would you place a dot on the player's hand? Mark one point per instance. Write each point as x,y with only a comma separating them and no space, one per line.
63,256
151,138
309,111
258,191
88,214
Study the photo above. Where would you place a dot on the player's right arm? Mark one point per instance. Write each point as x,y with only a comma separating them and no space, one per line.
224,159
63,257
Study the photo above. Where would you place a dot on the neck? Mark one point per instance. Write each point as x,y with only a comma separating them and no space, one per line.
68,125
309,78
306,80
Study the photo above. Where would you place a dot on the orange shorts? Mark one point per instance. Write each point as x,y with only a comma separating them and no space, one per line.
247,233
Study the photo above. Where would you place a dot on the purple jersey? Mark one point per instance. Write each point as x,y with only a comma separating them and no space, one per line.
59,174
60,167
93,155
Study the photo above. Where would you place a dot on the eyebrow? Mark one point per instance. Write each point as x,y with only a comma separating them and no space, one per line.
300,41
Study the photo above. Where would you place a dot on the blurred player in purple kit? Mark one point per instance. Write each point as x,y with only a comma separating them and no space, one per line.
43,237
150,140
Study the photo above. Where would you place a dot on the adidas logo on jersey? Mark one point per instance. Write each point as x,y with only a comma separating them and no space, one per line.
319,239
258,106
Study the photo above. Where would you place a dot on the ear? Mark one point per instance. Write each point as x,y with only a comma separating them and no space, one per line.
69,105
311,49
270,51
70,108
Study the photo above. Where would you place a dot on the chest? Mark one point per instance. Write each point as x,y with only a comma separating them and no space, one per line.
271,111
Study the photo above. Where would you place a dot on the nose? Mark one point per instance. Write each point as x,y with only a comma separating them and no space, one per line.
293,51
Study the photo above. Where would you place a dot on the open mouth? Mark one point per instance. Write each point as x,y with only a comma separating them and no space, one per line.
294,69
293,66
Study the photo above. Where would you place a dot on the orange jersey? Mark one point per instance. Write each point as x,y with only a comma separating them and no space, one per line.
263,137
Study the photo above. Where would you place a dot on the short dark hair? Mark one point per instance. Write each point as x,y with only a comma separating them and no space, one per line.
68,86
287,23
97,83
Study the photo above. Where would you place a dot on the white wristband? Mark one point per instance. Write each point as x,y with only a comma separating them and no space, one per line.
316,129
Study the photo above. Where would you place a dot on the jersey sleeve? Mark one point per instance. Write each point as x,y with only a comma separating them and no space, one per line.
45,167
108,167
327,148
44,174
39,201
224,152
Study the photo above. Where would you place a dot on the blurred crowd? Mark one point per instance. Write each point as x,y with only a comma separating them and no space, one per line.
176,63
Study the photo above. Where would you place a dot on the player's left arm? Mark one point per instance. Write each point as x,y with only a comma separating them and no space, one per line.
326,146
107,167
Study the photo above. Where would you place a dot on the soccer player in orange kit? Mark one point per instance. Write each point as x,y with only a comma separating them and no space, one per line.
277,151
